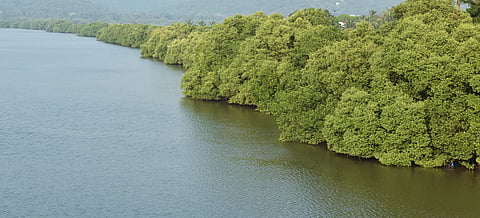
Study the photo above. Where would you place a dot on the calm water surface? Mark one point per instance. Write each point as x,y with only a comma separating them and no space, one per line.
89,129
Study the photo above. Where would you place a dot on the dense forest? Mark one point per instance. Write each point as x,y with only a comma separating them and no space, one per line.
405,93
402,87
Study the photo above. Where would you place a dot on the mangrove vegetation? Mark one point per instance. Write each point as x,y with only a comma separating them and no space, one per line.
402,87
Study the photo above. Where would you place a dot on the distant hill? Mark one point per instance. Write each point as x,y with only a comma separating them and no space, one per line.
80,11
225,8
51,8
168,11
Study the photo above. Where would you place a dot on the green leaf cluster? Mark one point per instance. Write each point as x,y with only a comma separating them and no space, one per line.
172,44
405,92
128,35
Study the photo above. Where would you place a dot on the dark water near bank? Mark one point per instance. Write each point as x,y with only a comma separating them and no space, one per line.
89,129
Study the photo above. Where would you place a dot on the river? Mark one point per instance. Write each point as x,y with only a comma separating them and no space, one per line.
89,129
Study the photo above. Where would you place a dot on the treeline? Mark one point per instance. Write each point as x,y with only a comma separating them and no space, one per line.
128,35
57,26
406,92
402,87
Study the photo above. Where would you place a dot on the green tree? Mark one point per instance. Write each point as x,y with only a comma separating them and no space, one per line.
354,127
473,9
92,29
215,52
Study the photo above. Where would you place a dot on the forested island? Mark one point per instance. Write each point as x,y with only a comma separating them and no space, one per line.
402,87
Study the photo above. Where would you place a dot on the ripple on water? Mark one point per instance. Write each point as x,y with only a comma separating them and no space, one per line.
102,133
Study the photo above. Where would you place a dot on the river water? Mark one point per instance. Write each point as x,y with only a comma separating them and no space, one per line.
89,129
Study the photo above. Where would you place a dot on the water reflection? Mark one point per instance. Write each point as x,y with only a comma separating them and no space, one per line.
115,138
305,180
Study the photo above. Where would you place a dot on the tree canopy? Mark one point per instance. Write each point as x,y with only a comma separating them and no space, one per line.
405,92
402,87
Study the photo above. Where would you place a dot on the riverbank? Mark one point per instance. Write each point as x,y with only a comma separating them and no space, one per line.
401,88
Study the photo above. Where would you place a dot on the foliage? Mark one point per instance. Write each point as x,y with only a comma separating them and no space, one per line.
402,87
60,26
473,9
91,30
129,35
168,39
404,91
